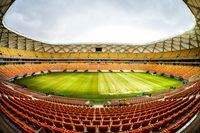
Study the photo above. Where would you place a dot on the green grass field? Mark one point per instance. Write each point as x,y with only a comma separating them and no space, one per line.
98,86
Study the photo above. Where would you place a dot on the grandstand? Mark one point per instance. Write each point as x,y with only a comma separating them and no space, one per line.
176,110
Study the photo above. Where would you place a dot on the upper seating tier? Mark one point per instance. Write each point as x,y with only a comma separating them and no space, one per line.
183,54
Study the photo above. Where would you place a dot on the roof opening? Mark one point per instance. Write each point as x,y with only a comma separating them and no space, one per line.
98,21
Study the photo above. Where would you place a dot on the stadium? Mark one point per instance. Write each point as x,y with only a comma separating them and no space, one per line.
100,87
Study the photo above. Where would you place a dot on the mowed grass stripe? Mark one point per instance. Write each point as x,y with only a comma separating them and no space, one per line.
89,85
135,86
122,83
118,84
134,83
37,82
155,82
102,84
75,88
64,85
114,88
98,85
143,83
32,82
56,85
125,85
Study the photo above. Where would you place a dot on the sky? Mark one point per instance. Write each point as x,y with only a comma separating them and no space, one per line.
99,21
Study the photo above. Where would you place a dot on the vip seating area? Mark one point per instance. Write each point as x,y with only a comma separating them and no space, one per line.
181,71
181,54
164,115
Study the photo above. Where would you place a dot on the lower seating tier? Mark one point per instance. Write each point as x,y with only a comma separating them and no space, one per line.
166,115
177,70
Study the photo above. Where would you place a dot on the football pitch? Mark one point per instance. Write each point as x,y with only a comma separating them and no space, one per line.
98,85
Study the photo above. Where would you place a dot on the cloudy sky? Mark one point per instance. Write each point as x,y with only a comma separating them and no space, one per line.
89,21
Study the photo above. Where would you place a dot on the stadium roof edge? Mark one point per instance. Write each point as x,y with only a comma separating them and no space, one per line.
188,40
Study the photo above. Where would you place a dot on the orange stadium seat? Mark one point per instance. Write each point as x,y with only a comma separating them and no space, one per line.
191,53
174,109
177,70
103,66
114,66
160,113
93,67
